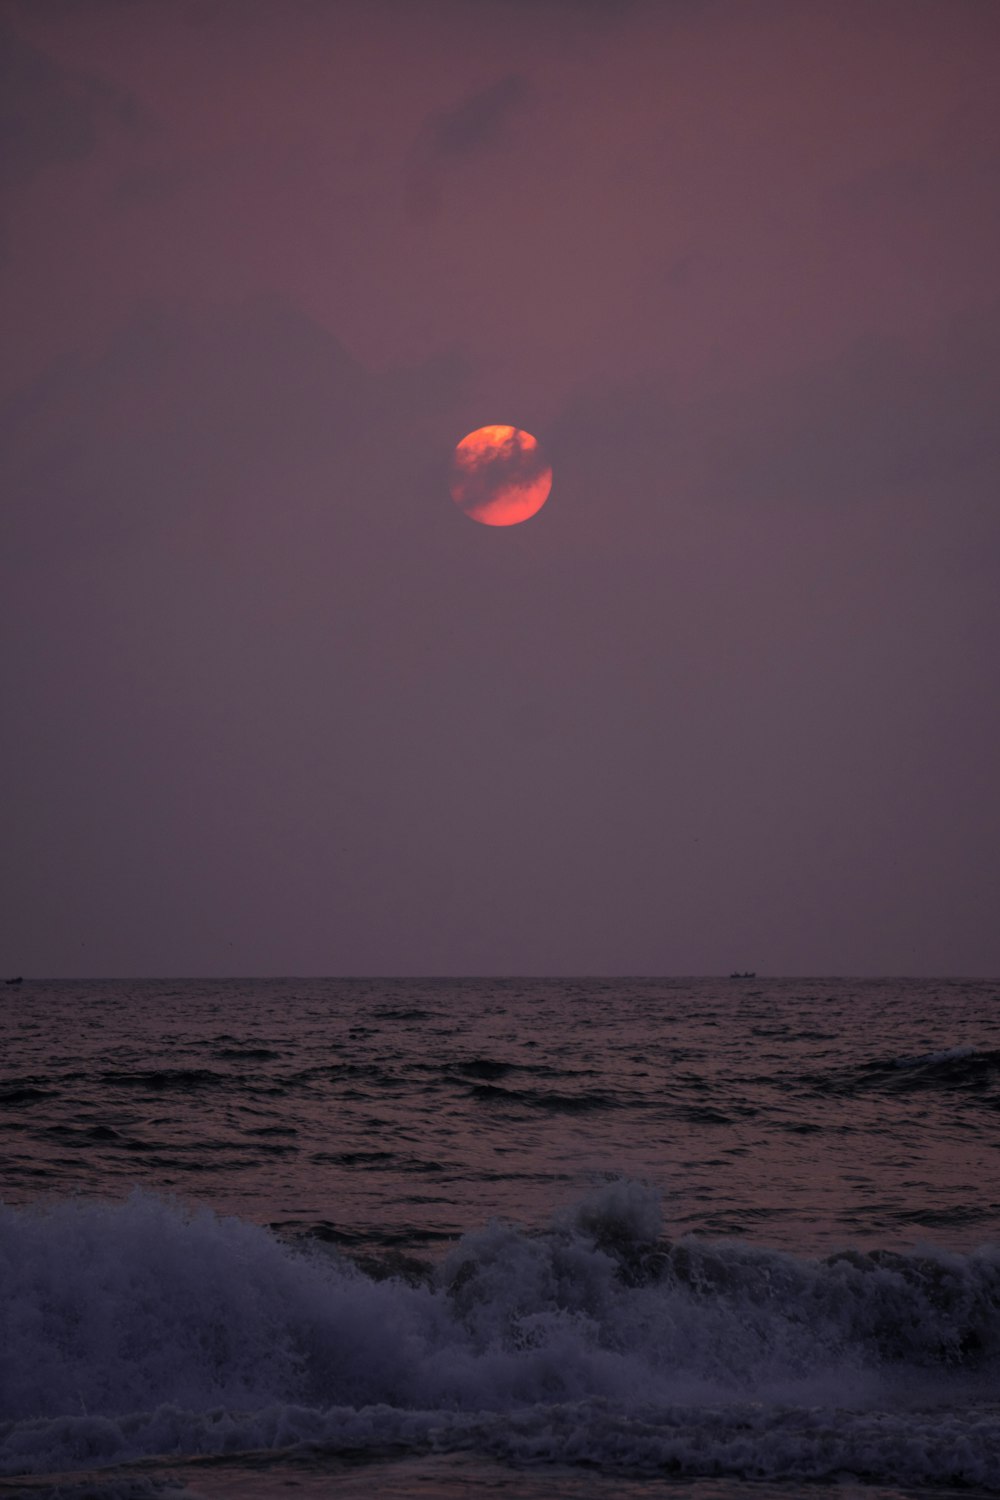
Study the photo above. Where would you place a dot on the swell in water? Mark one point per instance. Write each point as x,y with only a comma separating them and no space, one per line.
142,1327
817,1112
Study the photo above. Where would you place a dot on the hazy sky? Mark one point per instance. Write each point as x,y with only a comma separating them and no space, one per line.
273,704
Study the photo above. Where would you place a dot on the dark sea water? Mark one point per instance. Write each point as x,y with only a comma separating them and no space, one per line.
525,1238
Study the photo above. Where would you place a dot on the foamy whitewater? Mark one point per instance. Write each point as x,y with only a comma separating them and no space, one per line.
543,1236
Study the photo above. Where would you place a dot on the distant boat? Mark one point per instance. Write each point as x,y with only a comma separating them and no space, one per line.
747,974
18,980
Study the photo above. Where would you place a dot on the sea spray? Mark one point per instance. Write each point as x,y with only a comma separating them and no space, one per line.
143,1327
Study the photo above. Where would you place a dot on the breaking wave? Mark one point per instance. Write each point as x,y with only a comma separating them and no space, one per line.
144,1328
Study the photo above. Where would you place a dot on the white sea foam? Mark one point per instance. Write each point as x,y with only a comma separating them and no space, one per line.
141,1328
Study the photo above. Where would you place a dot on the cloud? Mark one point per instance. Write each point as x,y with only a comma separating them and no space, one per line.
887,416
268,684
479,122
150,184
50,114
226,426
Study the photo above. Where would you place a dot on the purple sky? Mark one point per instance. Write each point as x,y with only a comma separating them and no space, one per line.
274,705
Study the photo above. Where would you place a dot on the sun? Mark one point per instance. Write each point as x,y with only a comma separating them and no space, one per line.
500,476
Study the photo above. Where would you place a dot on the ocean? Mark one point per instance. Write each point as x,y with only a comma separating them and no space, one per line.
707,1238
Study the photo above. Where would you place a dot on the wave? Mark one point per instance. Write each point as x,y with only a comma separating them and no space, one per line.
144,1328
947,1449
161,1079
21,1094
552,1100
971,1071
